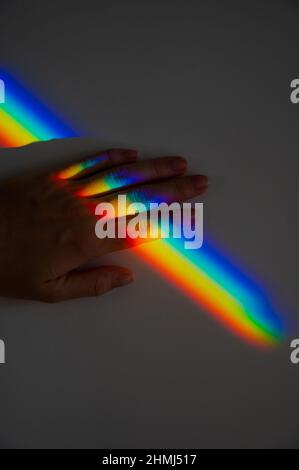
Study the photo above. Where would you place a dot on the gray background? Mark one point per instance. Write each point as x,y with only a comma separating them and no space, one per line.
143,366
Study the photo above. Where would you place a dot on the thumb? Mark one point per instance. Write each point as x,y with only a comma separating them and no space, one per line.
92,282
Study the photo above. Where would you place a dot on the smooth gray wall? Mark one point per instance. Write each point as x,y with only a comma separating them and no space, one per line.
144,367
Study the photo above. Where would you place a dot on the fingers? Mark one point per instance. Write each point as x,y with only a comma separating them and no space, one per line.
131,175
175,190
89,283
97,162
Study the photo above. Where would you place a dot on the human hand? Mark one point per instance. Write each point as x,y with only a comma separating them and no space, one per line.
48,228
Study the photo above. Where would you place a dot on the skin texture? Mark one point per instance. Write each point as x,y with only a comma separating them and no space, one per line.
47,229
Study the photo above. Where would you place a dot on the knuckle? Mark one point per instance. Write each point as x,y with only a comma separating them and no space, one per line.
51,292
97,287
121,176
156,168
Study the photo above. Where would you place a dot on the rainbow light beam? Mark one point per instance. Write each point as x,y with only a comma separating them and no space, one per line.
77,168
205,275
114,180
23,119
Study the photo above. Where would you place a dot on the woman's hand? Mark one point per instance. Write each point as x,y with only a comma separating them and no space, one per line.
47,226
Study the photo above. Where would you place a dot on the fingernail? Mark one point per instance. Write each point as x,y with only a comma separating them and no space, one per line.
179,164
131,154
124,279
200,182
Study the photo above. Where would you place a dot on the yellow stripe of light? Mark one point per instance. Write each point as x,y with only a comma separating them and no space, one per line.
202,287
